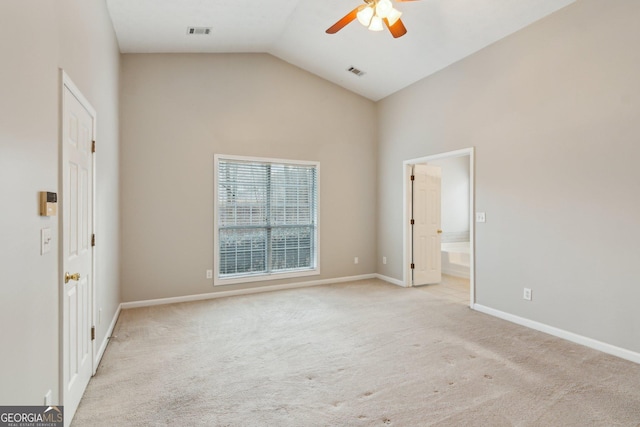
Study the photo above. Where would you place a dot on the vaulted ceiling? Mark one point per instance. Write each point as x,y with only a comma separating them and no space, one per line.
439,33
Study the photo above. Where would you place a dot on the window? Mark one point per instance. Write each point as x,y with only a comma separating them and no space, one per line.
266,219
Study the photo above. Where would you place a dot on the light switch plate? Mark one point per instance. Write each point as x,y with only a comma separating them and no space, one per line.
481,217
45,240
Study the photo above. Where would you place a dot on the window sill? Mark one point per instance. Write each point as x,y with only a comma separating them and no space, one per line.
249,278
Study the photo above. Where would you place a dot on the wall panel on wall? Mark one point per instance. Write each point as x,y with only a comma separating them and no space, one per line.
552,111
37,39
178,110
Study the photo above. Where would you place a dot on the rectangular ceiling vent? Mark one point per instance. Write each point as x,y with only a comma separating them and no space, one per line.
199,31
355,71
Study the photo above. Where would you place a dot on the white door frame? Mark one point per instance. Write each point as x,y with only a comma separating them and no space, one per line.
66,82
406,214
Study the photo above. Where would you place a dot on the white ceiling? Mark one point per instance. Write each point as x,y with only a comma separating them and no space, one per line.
439,33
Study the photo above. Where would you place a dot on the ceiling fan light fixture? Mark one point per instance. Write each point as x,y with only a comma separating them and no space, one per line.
365,15
375,15
383,8
393,16
376,24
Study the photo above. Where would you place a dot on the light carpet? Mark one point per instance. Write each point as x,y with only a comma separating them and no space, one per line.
357,354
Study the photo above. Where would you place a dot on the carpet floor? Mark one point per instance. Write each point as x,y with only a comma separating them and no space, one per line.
356,354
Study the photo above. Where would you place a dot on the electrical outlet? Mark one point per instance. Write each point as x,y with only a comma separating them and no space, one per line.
384,259
209,274
481,217
355,260
527,294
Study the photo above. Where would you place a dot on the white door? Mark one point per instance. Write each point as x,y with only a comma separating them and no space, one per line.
426,227
77,228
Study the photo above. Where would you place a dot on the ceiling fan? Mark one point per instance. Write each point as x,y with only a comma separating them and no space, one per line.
375,15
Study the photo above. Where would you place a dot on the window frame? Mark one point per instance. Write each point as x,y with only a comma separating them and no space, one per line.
257,277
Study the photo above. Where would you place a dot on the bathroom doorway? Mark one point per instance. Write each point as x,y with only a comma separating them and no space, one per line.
456,235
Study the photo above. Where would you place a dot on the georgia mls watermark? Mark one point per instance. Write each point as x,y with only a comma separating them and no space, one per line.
31,416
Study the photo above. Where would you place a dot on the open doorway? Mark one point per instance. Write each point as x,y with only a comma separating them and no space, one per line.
450,244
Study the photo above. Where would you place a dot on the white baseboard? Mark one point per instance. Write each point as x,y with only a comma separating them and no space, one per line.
561,333
234,292
390,280
105,341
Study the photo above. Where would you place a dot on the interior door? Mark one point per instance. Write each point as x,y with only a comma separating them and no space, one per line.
77,256
426,228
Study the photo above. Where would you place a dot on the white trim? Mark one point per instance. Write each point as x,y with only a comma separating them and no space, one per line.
266,160
446,155
66,81
391,280
230,293
217,281
472,226
561,333
260,277
105,341
406,235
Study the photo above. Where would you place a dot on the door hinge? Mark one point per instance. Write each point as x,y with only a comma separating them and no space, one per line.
93,333
413,177
413,222
93,146
93,240
413,266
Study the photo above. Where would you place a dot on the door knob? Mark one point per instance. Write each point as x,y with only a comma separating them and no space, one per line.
74,276
439,231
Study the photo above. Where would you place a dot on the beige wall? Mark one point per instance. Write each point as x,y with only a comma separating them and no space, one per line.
553,113
36,39
178,110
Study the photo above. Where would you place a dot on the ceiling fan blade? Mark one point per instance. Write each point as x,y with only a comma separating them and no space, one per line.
397,29
344,21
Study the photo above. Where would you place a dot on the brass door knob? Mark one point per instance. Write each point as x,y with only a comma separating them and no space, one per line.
439,231
74,276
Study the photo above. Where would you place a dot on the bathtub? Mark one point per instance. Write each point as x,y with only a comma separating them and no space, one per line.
456,259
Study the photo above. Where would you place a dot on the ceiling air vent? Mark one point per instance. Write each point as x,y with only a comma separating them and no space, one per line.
199,31
355,71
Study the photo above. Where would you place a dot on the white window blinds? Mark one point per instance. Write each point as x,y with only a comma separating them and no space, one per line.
266,217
